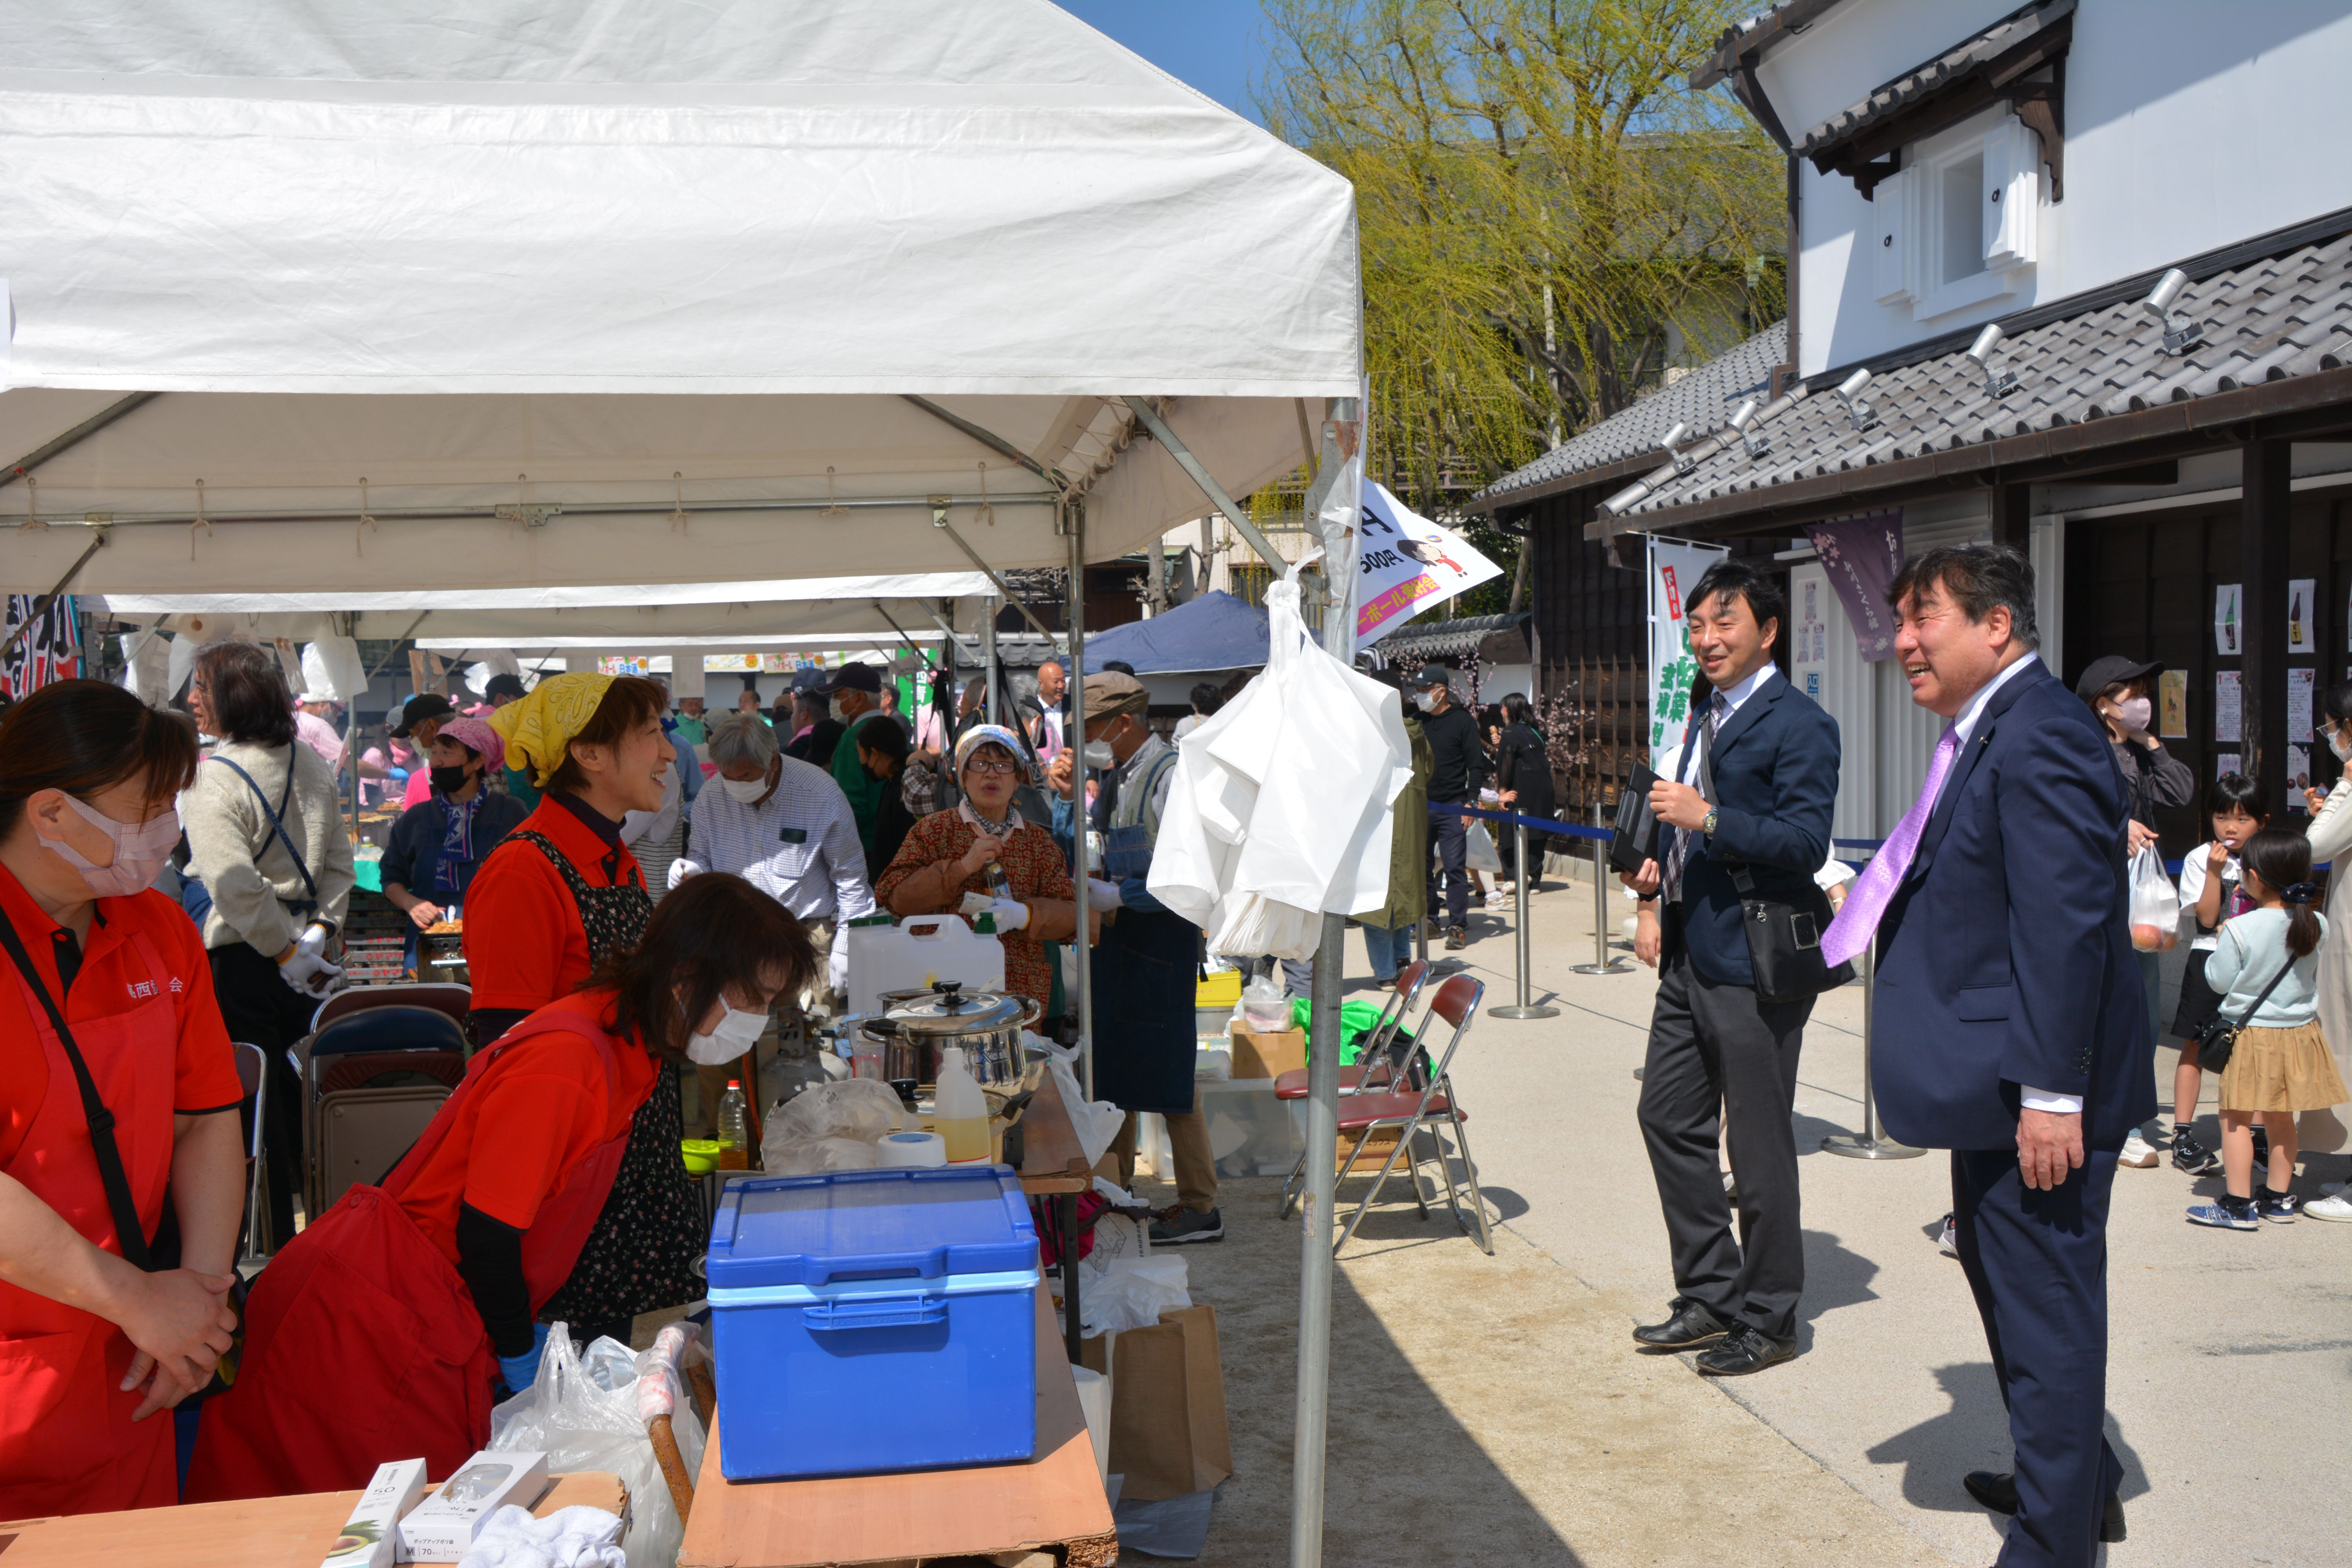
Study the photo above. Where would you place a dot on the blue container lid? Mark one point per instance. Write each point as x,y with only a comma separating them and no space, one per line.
871,1225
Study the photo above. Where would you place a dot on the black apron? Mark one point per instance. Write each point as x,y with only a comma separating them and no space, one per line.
1145,970
645,1250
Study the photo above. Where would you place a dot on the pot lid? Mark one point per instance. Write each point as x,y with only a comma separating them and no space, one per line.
952,1010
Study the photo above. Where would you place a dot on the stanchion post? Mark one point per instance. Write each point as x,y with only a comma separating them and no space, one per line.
1602,962
1526,1007
1870,1145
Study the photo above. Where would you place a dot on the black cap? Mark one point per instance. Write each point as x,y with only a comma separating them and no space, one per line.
503,686
815,680
856,677
1433,675
2114,669
432,705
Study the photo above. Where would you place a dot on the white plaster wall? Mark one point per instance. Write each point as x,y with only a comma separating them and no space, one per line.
2190,124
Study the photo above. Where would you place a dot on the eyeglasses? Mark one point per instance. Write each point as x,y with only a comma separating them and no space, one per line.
989,766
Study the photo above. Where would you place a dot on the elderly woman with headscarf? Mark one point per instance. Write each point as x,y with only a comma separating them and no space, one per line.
983,847
438,847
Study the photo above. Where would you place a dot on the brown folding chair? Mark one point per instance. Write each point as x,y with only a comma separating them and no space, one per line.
1435,1106
1379,1059
253,1076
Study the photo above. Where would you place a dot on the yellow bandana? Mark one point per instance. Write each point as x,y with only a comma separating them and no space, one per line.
538,729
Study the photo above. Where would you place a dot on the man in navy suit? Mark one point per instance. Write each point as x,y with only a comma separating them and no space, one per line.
1752,794
2012,1028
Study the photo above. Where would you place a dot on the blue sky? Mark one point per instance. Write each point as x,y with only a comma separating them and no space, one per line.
1211,45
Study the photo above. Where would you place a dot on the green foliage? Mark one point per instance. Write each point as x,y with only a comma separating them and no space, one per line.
1539,197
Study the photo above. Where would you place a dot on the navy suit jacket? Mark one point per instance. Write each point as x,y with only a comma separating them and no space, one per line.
2005,959
1776,778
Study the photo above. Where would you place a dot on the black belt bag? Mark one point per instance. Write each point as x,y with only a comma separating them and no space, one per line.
1784,941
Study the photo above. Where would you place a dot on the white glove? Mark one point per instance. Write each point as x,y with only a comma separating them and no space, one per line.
313,940
306,969
1011,914
1102,895
837,973
679,871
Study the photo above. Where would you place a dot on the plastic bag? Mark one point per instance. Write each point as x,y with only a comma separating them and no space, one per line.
831,1126
1133,1294
1265,1006
2155,904
1478,852
583,1412
1096,1121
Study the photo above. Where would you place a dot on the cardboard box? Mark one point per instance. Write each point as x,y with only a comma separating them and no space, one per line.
371,1535
1259,1054
442,1528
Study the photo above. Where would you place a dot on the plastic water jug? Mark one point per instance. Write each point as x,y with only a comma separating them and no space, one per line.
918,953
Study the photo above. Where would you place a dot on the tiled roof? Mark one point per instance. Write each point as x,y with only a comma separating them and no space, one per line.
1703,400
1447,639
1759,32
2270,319
1919,82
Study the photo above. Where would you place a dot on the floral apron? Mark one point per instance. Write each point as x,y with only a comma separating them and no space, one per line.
646,1250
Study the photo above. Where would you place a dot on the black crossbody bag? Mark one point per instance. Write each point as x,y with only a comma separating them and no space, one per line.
1784,938
2217,1037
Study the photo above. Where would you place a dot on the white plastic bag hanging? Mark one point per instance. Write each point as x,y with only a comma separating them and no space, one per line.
332,670
583,1412
830,1127
1096,1121
2155,904
1478,850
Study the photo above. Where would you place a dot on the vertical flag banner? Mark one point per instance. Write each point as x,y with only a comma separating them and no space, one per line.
1862,555
1675,570
1405,563
51,651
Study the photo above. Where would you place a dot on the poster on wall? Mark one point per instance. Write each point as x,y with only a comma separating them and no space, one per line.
2298,777
2226,620
2172,705
1675,570
2225,764
2299,686
2225,705
1808,648
2303,615
1862,555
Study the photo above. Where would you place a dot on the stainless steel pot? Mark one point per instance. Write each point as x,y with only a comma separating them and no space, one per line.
986,1024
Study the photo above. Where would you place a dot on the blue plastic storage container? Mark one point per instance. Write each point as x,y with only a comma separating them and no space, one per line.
867,1321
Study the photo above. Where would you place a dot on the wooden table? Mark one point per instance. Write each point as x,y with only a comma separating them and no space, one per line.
1053,1167
261,1532
1056,1501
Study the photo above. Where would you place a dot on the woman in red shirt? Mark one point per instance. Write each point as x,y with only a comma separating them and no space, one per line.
561,891
102,968
378,1332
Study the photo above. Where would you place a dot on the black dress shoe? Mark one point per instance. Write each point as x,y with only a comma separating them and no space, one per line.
1997,1489
1744,1352
1690,1325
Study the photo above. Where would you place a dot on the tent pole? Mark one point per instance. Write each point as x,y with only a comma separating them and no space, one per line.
87,427
940,521
1208,483
920,656
1074,523
1315,1257
41,606
988,657
956,646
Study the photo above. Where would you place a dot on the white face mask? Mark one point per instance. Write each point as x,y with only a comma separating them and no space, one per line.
2133,712
1425,701
140,851
845,708
745,790
737,1033
1099,755
2339,745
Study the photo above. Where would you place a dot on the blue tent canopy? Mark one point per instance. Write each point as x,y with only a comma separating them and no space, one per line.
1214,631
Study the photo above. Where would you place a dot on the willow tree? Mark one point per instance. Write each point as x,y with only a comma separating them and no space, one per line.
1539,197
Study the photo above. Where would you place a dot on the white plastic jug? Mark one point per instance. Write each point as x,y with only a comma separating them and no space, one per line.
918,951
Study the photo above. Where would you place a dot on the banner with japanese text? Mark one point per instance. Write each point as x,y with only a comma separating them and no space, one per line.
1674,569
1861,556
1407,563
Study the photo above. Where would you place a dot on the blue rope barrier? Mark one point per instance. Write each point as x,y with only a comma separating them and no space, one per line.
1542,824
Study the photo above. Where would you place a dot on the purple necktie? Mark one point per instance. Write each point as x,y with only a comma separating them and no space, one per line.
1857,921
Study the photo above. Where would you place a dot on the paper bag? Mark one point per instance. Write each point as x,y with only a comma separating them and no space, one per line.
1168,1432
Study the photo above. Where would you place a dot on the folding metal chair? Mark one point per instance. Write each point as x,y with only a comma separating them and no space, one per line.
442,997
1435,1106
253,1074
372,1080
1379,1059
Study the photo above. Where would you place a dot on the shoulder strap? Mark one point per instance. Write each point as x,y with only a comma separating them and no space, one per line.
562,862
277,822
2247,1020
111,1174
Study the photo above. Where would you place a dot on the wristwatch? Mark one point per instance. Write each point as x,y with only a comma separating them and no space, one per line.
1707,827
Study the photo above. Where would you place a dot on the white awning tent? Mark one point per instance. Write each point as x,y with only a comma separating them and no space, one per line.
632,292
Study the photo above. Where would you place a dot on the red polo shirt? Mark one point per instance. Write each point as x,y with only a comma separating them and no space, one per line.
524,943
114,979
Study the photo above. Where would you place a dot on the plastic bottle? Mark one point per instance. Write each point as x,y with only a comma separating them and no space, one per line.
1000,886
960,1114
734,1129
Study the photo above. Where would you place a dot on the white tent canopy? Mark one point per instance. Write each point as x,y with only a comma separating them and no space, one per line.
656,281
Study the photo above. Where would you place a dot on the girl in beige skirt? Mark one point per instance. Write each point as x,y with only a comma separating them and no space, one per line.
2280,1063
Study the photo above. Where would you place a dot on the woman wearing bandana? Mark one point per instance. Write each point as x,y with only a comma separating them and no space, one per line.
948,854
438,846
